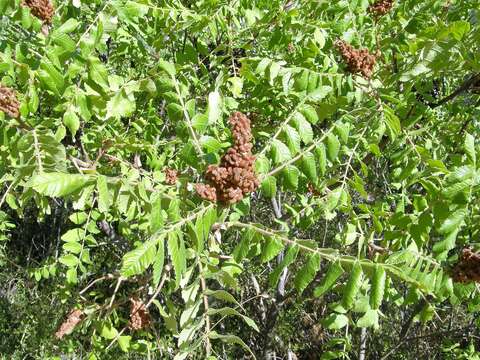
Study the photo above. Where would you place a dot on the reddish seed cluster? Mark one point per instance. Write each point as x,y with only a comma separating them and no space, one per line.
171,176
235,177
380,7
139,316
8,102
468,267
357,60
42,9
69,324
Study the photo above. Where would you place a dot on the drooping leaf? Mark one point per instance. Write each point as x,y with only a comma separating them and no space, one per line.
378,287
176,250
334,272
307,272
139,259
352,286
58,184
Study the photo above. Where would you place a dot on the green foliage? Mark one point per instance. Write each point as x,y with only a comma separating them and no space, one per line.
368,191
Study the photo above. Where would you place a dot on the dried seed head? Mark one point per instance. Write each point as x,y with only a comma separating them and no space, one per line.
380,7
467,268
171,176
206,192
42,9
69,324
235,177
357,60
139,316
8,102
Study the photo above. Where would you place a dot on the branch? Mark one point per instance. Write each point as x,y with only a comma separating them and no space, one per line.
467,84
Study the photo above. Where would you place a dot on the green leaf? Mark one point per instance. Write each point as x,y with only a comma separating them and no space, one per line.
52,78
121,105
369,319
289,258
176,249
104,198
97,72
58,184
222,295
292,139
353,285
470,149
72,235
274,70
319,36
335,321
333,147
168,67
453,222
226,311
230,339
138,260
343,130
73,247
243,247
307,272
301,82
321,158
303,127
69,260
159,261
392,122
71,121
319,94
378,287
280,152
308,166
109,332
124,342
310,113
214,110
203,225
64,41
334,272
290,174
68,26
271,248
156,216
269,186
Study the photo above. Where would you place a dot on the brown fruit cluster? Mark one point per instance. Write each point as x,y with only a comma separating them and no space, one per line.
8,102
235,177
42,9
357,60
468,267
380,7
206,192
171,176
139,316
69,324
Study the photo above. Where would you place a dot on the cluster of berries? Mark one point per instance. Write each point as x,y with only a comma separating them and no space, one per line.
42,9
139,316
468,267
357,60
235,177
8,102
69,324
380,7
171,176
